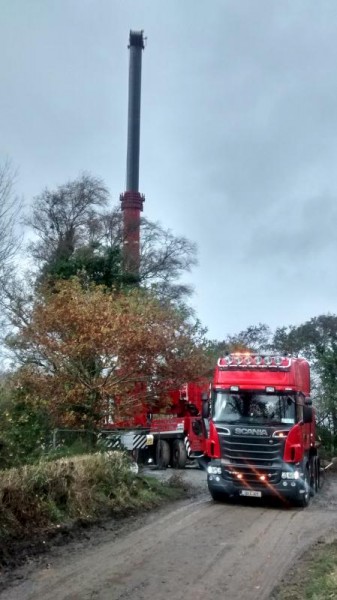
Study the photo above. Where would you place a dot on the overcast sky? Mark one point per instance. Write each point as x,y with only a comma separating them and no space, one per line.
238,134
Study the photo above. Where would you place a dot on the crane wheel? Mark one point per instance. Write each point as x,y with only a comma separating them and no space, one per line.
162,454
179,454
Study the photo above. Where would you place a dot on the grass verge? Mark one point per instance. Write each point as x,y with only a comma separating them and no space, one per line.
314,577
41,498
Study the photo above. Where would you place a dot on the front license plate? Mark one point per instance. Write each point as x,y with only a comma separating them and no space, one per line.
250,493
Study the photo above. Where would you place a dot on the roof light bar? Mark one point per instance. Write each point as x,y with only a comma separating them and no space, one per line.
250,361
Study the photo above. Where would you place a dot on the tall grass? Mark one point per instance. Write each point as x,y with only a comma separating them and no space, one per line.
35,497
314,576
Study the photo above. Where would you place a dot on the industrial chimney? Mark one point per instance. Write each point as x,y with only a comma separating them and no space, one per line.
132,200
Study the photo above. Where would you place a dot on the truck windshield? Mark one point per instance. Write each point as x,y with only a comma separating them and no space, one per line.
253,407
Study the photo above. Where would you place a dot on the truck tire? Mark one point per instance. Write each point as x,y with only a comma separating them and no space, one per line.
320,474
313,477
303,499
179,454
162,454
317,468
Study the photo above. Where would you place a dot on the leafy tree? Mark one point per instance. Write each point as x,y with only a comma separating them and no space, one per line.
316,339
255,338
24,425
82,348
101,267
310,338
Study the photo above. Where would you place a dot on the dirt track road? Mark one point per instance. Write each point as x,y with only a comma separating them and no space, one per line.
195,550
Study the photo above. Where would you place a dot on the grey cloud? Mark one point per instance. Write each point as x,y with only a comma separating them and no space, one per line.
302,229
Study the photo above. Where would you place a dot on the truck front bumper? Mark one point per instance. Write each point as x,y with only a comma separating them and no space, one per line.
282,489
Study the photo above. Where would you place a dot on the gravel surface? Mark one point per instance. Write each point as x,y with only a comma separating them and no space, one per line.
192,475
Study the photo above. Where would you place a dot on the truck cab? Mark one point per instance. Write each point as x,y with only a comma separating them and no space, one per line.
261,439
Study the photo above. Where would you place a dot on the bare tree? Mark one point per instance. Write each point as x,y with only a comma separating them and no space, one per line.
10,208
60,218
164,257
72,229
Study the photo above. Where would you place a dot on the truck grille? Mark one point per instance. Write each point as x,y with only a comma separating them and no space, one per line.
251,456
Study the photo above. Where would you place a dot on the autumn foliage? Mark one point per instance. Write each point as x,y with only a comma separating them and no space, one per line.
89,351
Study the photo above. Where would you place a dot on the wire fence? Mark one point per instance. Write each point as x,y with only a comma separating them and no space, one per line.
83,439
69,437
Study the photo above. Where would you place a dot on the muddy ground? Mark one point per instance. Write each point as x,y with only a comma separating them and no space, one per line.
194,549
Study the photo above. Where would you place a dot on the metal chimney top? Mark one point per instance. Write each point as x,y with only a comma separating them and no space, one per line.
136,39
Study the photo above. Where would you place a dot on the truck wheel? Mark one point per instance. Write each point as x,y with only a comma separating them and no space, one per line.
162,454
312,473
304,499
179,454
316,474
320,474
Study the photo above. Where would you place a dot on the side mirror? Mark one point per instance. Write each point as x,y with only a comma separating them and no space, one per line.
205,406
307,414
307,401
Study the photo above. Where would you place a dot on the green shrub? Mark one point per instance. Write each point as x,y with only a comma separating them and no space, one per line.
24,428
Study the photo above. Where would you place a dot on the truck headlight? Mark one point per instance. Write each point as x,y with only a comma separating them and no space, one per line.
290,475
214,470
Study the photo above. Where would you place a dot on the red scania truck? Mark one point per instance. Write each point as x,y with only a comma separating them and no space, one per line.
261,440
